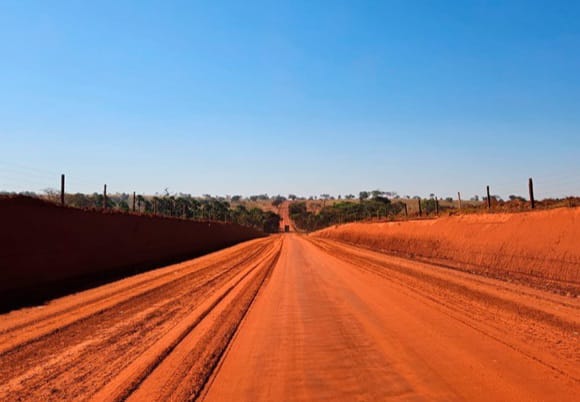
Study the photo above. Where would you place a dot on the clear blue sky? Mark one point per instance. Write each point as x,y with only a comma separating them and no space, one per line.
303,97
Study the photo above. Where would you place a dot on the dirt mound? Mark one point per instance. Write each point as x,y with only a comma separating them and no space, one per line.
47,250
540,248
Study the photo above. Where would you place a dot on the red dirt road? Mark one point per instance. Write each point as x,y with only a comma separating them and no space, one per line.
284,212
294,318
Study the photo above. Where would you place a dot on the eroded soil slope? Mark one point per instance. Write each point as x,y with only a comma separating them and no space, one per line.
539,248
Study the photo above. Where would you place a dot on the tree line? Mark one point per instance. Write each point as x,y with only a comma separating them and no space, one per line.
343,212
183,206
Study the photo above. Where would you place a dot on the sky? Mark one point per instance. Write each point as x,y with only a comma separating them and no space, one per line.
279,97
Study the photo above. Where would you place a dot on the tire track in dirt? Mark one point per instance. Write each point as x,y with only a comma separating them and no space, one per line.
71,358
341,324
498,312
167,298
183,374
105,297
295,318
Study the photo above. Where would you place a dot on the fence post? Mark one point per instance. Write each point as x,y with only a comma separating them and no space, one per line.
62,189
488,199
420,211
133,201
105,197
436,206
459,198
531,188
406,211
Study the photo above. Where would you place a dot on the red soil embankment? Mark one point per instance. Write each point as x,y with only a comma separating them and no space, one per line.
47,250
540,248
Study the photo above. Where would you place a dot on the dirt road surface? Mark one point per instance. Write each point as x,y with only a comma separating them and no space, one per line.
291,318
284,212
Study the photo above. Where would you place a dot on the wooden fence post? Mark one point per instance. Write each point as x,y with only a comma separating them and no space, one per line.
406,211
436,206
531,188
459,198
105,197
488,199
62,189
420,211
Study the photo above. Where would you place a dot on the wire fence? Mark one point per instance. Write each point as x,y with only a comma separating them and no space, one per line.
549,190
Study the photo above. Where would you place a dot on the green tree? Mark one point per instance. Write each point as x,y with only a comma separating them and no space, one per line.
278,200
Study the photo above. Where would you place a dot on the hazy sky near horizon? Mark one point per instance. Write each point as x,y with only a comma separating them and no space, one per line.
303,97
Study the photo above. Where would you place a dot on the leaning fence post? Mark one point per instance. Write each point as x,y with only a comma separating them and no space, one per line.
406,212
531,188
459,198
488,199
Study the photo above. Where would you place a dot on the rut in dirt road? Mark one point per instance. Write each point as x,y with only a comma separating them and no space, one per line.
340,323
295,318
104,343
